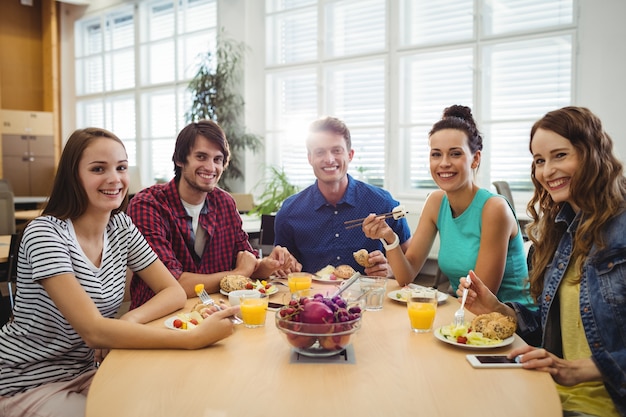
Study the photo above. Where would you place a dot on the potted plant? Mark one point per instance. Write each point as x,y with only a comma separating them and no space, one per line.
215,94
275,190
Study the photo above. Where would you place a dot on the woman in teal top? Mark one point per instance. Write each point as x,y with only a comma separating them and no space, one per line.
459,240
478,230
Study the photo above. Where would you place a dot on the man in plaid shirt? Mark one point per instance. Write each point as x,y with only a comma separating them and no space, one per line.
193,225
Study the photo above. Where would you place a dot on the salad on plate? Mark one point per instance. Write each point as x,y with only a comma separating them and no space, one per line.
463,335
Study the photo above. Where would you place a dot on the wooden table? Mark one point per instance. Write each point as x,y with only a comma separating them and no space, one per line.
396,373
5,243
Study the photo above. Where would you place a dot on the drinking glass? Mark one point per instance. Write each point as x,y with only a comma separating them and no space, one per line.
422,306
298,281
253,310
374,289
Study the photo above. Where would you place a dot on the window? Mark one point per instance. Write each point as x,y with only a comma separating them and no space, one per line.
349,63
509,60
133,65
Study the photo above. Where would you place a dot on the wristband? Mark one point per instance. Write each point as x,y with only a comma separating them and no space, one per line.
392,245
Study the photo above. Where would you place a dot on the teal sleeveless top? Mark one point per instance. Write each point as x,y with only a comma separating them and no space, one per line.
459,242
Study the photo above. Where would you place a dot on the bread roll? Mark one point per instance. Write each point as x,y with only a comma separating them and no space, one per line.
234,282
344,271
362,257
494,325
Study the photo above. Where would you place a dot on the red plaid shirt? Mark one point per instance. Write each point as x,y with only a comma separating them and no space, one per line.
159,214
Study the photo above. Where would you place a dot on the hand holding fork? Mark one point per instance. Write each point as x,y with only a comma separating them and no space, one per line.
207,300
459,315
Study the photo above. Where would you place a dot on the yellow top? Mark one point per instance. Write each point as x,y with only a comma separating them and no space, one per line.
587,397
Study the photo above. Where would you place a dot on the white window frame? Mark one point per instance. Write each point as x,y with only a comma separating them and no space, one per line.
147,130
396,179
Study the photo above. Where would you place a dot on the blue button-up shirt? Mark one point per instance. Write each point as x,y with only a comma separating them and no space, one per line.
313,230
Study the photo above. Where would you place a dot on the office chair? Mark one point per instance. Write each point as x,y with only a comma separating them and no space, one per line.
11,278
266,234
244,202
503,188
5,185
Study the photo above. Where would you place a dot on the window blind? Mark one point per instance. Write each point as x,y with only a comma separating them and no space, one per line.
509,60
135,86
332,82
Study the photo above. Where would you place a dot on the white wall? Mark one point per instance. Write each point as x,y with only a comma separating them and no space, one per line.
601,71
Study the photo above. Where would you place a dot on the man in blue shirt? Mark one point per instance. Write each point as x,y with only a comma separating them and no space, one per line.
311,225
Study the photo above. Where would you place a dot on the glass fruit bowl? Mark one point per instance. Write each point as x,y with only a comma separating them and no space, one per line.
322,328
319,340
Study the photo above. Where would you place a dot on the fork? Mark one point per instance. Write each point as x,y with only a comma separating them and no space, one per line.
459,315
207,300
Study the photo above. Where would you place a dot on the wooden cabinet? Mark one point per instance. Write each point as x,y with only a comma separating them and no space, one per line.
28,151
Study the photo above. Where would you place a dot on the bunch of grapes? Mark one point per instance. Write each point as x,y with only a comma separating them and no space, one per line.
320,309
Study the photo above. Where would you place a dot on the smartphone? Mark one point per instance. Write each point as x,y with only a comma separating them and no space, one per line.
274,306
492,361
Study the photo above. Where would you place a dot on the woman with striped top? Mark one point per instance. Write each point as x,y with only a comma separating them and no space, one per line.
70,283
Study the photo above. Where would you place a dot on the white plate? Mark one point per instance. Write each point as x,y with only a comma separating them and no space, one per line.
326,279
169,323
271,291
441,296
441,337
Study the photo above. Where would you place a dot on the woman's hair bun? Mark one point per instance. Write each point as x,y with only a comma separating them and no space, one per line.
462,112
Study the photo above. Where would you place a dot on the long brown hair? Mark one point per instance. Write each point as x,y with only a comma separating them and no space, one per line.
598,187
68,199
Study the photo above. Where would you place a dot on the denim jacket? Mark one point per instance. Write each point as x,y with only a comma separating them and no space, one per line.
602,303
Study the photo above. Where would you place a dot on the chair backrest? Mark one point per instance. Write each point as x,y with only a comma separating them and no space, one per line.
5,185
7,303
503,188
12,263
266,235
244,202
7,213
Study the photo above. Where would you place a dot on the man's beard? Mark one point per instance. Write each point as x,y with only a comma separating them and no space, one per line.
194,185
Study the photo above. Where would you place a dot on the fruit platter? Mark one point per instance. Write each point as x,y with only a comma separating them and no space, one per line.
319,326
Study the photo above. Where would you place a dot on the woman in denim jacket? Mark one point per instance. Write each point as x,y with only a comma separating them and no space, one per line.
579,266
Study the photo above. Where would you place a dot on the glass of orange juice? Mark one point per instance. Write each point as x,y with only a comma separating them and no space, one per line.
253,310
298,281
422,306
